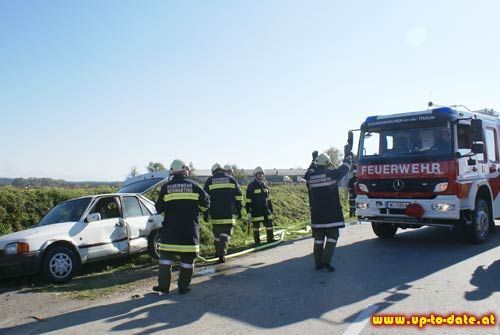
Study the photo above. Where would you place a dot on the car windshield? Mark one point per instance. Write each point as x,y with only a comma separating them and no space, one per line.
401,142
67,211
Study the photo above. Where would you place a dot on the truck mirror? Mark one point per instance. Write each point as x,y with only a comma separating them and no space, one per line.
478,148
350,139
477,130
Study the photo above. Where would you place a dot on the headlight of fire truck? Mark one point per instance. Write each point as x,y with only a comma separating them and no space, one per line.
441,187
362,205
443,207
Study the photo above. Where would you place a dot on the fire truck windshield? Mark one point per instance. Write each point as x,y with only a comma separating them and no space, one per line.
428,141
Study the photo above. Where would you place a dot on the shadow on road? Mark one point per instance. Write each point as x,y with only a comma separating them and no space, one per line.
487,281
288,292
99,275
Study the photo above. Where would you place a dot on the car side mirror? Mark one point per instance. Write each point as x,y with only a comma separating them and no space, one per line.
93,217
478,148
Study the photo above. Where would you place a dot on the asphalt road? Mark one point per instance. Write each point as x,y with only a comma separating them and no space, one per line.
278,291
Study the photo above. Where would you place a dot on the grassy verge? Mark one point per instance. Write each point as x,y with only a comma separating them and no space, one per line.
123,276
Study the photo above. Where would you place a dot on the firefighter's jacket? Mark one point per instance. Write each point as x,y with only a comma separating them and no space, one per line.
324,200
181,200
225,198
258,201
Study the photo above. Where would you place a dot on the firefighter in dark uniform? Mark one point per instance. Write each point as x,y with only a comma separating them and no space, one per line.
259,206
180,200
326,211
225,207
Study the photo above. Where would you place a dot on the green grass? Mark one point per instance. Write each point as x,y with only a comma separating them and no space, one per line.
121,276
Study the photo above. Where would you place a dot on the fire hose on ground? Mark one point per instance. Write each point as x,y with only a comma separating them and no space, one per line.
281,237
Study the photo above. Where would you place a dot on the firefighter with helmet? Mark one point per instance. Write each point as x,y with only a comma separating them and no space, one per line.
326,211
228,169
225,207
181,200
259,206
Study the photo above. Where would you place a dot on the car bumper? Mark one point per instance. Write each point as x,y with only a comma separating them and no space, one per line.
19,265
377,210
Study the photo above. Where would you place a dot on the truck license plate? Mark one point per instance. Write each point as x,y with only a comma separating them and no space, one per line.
397,205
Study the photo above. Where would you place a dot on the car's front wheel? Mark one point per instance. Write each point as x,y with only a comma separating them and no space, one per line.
154,244
59,265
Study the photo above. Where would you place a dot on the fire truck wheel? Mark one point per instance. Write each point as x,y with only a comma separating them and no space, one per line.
478,231
384,230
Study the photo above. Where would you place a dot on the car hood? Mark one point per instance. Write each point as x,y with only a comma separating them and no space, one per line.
142,183
36,232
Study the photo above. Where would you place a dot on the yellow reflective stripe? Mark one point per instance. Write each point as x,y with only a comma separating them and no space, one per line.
270,216
257,191
238,197
179,247
181,196
203,209
249,201
257,218
222,185
223,221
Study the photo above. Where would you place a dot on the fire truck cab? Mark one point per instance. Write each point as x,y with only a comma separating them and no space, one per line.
439,167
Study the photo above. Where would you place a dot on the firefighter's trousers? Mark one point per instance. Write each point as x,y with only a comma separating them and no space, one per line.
268,224
325,241
165,269
222,235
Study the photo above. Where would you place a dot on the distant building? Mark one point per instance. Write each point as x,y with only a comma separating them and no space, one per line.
273,176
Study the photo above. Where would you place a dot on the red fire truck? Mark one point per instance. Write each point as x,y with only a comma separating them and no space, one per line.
439,167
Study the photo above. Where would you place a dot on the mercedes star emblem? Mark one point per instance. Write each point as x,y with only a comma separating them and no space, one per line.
398,185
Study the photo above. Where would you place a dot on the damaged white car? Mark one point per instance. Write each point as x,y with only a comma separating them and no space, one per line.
86,229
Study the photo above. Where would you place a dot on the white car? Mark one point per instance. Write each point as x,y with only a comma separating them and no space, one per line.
86,229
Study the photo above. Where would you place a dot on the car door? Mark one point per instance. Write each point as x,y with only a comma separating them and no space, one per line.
107,236
138,221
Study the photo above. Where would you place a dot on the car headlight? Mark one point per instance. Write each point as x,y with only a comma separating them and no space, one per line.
363,187
441,187
16,248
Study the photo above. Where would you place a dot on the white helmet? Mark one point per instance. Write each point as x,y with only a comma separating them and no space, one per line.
228,167
322,160
258,169
178,166
216,167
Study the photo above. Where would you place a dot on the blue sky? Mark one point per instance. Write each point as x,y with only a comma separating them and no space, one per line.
89,89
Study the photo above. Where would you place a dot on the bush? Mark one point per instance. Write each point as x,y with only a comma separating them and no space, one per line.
22,208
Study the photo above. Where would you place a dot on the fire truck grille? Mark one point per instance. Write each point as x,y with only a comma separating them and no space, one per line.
402,185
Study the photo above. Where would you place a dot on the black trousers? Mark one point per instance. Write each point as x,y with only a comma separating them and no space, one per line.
186,268
325,241
268,224
222,235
